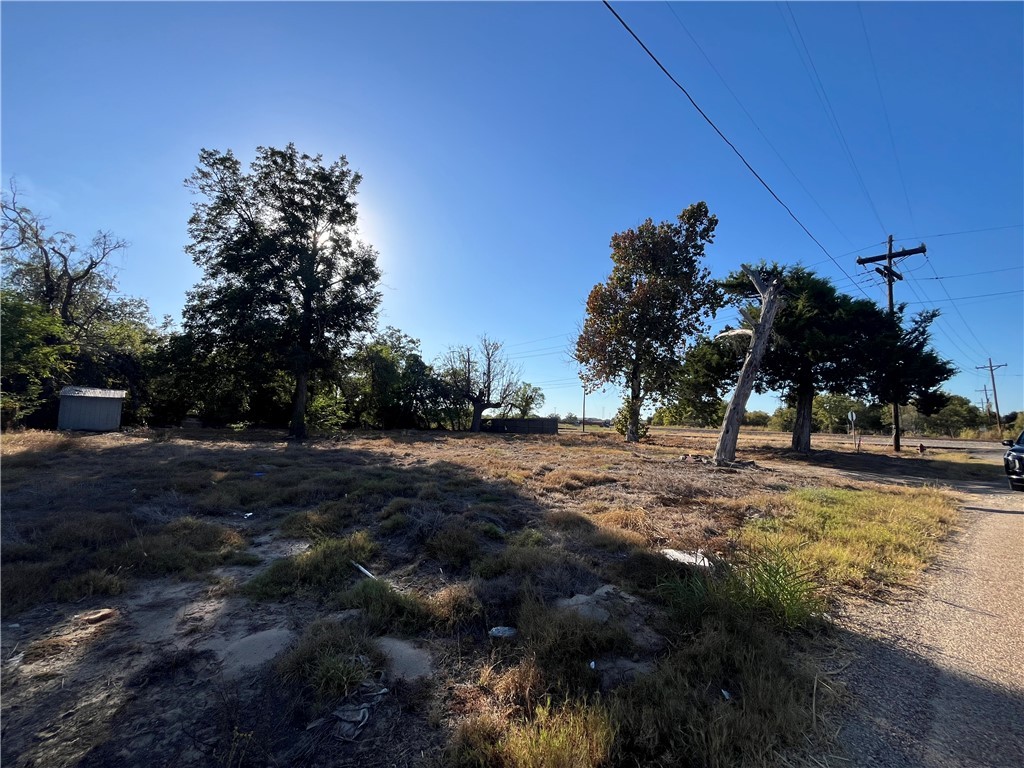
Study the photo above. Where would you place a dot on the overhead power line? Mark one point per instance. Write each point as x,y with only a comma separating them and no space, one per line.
965,298
753,121
885,112
829,111
724,138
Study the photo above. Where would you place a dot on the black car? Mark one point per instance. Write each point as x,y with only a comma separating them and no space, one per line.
1013,463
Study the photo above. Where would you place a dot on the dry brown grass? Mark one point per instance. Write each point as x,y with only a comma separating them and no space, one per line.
516,521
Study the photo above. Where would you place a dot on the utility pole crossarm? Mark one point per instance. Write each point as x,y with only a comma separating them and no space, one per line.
922,248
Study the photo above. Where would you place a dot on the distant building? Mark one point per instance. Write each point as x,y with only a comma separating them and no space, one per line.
90,409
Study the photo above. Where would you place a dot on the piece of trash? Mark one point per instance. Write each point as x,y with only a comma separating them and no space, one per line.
14,626
726,695
503,633
363,570
259,474
351,719
97,616
593,665
247,515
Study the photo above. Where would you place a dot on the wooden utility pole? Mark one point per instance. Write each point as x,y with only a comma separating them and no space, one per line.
759,333
995,398
986,405
891,276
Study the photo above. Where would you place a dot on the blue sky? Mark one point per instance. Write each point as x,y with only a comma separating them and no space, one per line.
502,144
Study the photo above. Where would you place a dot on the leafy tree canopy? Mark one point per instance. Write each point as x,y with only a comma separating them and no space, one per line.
282,271
658,297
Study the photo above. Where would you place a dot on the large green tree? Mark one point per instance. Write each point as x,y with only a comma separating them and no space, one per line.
658,297
824,341
283,276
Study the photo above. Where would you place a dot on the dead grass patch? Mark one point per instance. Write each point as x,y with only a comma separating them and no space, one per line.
570,480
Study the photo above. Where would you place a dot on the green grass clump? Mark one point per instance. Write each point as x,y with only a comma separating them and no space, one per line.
332,659
186,546
385,609
769,586
323,569
861,540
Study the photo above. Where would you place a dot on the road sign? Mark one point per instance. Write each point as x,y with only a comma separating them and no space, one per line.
851,416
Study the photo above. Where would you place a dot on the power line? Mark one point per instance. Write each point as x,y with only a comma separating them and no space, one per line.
753,121
965,298
829,111
957,309
885,112
534,341
973,274
722,136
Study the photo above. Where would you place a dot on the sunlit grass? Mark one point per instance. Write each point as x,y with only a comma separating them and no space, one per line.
863,539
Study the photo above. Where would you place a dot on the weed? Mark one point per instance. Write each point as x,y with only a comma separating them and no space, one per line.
569,480
729,696
454,544
571,736
395,523
385,609
861,540
322,569
563,643
331,658
455,606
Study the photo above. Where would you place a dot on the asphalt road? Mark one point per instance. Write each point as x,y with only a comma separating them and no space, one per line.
937,680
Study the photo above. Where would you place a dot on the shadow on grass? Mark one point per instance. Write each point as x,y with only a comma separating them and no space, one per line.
908,468
94,502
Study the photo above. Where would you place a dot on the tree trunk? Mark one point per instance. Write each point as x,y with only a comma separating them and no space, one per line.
478,412
633,413
725,451
802,427
297,427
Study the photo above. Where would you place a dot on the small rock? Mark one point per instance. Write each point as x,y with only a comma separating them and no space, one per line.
405,660
585,606
503,633
687,558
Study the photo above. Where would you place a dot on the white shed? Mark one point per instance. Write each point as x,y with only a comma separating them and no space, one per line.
91,409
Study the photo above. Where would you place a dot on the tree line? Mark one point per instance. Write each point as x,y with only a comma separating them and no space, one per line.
281,329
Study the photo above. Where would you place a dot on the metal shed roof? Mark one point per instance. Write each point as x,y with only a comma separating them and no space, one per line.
117,394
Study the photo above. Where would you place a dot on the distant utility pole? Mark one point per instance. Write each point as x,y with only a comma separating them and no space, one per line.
995,397
891,276
985,403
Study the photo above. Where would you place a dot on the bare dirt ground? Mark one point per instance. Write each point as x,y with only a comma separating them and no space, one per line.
176,671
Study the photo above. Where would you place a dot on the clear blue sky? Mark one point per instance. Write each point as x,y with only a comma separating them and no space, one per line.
502,144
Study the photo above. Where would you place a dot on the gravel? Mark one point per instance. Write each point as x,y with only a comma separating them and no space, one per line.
937,679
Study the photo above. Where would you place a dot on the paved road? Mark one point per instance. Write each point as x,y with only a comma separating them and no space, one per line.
937,680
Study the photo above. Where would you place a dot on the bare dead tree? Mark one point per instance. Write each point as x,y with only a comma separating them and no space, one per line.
481,375
75,285
758,333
